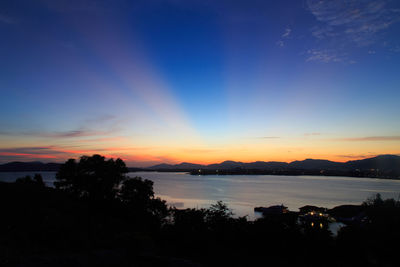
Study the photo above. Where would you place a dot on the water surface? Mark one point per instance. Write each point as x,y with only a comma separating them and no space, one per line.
244,192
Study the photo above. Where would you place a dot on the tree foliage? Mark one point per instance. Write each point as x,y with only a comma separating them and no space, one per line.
219,211
92,177
138,194
136,190
37,180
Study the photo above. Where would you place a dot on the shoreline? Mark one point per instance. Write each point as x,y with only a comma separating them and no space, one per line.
243,172
277,173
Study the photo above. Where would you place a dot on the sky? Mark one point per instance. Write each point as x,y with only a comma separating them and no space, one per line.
199,81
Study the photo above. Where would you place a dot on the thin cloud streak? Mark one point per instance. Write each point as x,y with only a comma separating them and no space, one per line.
61,134
61,153
347,25
326,56
27,155
354,21
362,156
285,35
369,138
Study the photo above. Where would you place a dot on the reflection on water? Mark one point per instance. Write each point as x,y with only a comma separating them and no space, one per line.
244,192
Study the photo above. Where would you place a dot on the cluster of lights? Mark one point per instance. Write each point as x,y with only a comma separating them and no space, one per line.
320,225
320,214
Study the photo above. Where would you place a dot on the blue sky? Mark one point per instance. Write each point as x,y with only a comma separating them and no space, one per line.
203,81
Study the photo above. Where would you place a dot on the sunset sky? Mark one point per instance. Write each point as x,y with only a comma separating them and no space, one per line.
199,81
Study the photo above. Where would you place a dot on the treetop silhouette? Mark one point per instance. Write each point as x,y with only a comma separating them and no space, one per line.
92,177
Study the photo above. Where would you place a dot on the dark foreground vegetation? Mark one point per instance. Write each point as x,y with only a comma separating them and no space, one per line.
95,216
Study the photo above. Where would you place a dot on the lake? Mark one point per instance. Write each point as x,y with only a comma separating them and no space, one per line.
244,192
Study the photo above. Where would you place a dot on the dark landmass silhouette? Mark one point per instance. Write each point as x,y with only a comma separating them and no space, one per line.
378,162
383,166
97,216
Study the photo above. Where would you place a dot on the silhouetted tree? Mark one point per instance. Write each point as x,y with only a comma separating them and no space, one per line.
27,180
375,200
136,191
218,213
92,177
189,220
382,211
138,194
376,233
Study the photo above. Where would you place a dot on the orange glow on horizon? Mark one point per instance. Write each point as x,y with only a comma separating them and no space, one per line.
143,153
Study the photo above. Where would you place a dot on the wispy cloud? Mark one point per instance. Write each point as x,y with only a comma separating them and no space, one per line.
346,25
30,149
370,138
287,33
284,36
268,137
357,21
61,153
89,128
70,134
41,151
395,49
58,134
280,43
325,55
360,156
103,139
26,155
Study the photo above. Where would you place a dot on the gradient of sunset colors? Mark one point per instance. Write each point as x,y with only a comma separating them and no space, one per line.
199,81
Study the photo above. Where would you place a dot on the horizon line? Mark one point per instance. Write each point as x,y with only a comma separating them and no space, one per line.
288,162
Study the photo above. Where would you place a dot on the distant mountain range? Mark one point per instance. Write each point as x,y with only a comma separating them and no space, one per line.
384,166
384,162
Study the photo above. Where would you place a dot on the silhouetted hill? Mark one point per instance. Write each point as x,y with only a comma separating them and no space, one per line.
180,166
186,165
29,166
262,165
384,166
226,165
384,162
162,166
316,164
